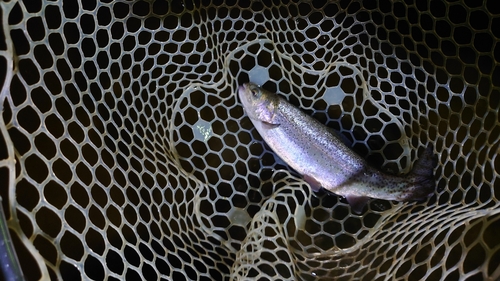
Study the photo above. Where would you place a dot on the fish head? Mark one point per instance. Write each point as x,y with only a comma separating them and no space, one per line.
259,104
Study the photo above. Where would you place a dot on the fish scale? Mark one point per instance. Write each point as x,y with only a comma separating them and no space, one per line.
317,153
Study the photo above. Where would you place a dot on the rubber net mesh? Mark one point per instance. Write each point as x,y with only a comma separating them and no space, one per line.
126,155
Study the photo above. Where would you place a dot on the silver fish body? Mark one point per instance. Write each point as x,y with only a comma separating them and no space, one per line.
317,153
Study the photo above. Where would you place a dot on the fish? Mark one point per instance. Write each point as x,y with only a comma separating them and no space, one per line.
320,155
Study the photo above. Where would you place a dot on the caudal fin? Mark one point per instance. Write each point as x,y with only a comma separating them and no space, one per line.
421,178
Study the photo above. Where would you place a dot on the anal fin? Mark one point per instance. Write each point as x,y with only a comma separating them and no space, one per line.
315,185
357,203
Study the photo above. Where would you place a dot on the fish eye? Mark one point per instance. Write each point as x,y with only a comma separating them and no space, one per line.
255,92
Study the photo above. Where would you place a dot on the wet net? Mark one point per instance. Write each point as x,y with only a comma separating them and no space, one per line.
126,155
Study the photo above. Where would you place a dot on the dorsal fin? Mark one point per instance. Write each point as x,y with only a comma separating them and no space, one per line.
342,138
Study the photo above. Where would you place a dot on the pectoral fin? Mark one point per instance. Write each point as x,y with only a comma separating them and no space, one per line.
269,126
357,203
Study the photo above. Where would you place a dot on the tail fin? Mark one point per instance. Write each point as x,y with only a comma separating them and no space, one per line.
421,178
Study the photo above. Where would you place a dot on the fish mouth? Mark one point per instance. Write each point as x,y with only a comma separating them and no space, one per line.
242,94
241,89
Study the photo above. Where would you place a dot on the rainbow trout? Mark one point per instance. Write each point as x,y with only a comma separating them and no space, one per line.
318,154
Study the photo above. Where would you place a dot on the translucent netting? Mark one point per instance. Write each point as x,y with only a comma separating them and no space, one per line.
126,154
